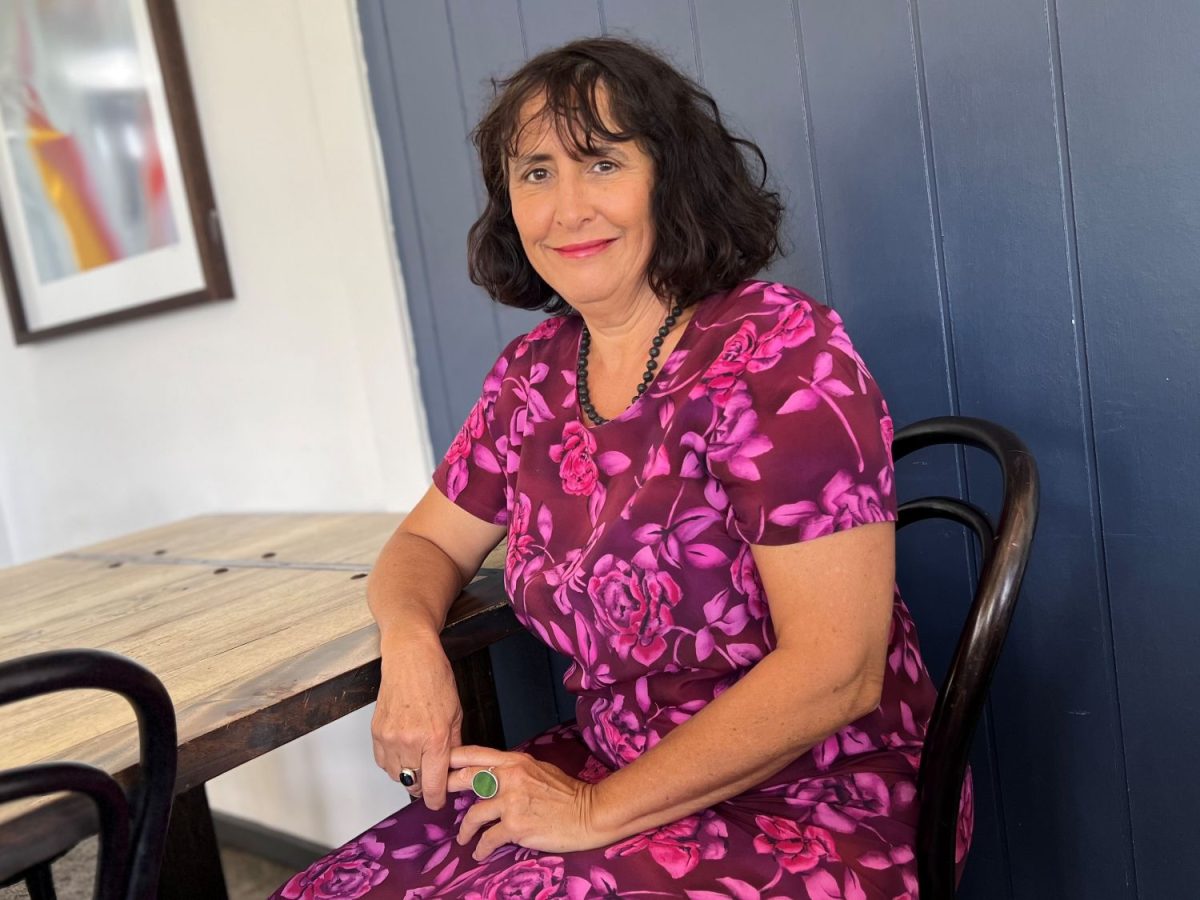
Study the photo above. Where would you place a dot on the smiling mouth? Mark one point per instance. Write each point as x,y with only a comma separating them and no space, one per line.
588,248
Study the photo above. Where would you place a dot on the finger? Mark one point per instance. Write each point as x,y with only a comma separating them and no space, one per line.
483,757
477,816
491,840
435,769
380,755
460,779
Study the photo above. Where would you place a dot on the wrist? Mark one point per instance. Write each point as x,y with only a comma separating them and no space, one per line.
415,634
602,815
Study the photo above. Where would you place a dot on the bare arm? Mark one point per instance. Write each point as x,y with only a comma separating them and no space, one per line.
436,550
831,606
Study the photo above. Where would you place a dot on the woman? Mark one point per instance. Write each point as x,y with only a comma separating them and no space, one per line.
694,476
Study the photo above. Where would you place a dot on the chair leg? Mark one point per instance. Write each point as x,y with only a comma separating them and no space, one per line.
39,881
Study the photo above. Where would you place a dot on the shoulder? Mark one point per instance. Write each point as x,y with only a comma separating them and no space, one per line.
762,309
760,330
524,354
547,336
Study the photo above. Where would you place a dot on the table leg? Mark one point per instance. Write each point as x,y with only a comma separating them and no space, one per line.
477,693
192,863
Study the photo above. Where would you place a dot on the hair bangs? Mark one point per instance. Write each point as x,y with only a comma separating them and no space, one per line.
578,103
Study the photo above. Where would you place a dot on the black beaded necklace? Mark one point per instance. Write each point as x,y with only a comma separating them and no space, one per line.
581,367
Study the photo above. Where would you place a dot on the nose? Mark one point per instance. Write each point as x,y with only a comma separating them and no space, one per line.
573,203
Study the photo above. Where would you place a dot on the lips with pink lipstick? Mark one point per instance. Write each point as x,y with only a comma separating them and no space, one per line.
583,249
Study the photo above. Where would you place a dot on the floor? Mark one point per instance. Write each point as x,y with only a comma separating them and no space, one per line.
247,877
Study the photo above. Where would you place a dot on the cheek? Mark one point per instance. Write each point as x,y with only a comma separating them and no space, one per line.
529,216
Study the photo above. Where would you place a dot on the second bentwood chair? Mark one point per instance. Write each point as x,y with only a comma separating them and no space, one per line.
1004,552
133,824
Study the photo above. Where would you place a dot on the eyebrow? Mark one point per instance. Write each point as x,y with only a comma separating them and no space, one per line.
598,150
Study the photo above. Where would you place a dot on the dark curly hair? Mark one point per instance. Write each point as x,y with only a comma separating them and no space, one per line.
715,223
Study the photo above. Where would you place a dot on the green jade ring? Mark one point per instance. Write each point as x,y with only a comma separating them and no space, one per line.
485,784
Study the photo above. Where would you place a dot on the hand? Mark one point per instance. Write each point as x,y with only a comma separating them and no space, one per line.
418,717
538,805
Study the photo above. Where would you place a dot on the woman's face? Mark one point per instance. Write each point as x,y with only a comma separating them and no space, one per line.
585,224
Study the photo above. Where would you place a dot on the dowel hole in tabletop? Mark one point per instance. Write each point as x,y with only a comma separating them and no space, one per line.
220,571
268,555
115,565
358,576
160,552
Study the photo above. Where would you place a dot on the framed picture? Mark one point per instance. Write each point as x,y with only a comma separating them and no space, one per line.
106,209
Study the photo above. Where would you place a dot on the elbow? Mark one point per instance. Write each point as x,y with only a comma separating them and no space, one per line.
865,699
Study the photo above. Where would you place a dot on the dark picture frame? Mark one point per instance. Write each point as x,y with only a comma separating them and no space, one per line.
190,266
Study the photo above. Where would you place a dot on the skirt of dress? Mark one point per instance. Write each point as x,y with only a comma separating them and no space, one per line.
848,836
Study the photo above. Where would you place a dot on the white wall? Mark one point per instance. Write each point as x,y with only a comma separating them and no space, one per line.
300,394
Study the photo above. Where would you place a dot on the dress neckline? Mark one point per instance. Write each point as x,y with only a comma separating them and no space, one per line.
666,374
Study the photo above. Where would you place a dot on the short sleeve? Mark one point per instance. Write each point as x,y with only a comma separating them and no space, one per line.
472,474
801,440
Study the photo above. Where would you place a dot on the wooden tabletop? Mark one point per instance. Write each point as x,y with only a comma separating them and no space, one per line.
257,625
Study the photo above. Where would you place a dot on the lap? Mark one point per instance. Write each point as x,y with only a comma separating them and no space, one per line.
825,838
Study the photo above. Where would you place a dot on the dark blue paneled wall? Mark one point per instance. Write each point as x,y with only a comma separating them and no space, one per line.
1003,201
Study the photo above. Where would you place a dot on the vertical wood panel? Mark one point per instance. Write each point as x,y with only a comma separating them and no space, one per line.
1133,120
666,25
883,270
765,101
440,162
443,419
548,23
488,44
1009,271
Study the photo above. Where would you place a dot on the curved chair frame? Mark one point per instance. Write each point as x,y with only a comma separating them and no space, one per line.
133,827
1005,553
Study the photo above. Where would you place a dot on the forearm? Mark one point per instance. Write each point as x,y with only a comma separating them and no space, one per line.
747,734
411,587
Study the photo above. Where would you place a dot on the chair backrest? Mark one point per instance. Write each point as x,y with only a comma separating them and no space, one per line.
1004,554
133,825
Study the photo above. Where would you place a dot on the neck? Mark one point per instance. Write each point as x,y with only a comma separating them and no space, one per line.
621,334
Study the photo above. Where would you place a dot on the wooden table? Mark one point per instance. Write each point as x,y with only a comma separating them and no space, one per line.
258,627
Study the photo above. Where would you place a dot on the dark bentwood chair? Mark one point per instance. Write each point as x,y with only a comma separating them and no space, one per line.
133,825
1004,553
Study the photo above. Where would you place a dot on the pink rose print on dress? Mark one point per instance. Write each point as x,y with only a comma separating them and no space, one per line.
850,741
898,855
887,428
619,731
839,804
734,439
724,376
797,848
633,605
350,873
824,388
540,878
795,327
546,329
844,503
593,771
576,466
744,575
966,820
679,846
904,656
462,446
824,886
522,559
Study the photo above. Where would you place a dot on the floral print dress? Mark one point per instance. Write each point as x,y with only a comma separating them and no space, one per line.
629,551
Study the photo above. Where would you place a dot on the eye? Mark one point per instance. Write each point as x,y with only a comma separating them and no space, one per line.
605,166
536,176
